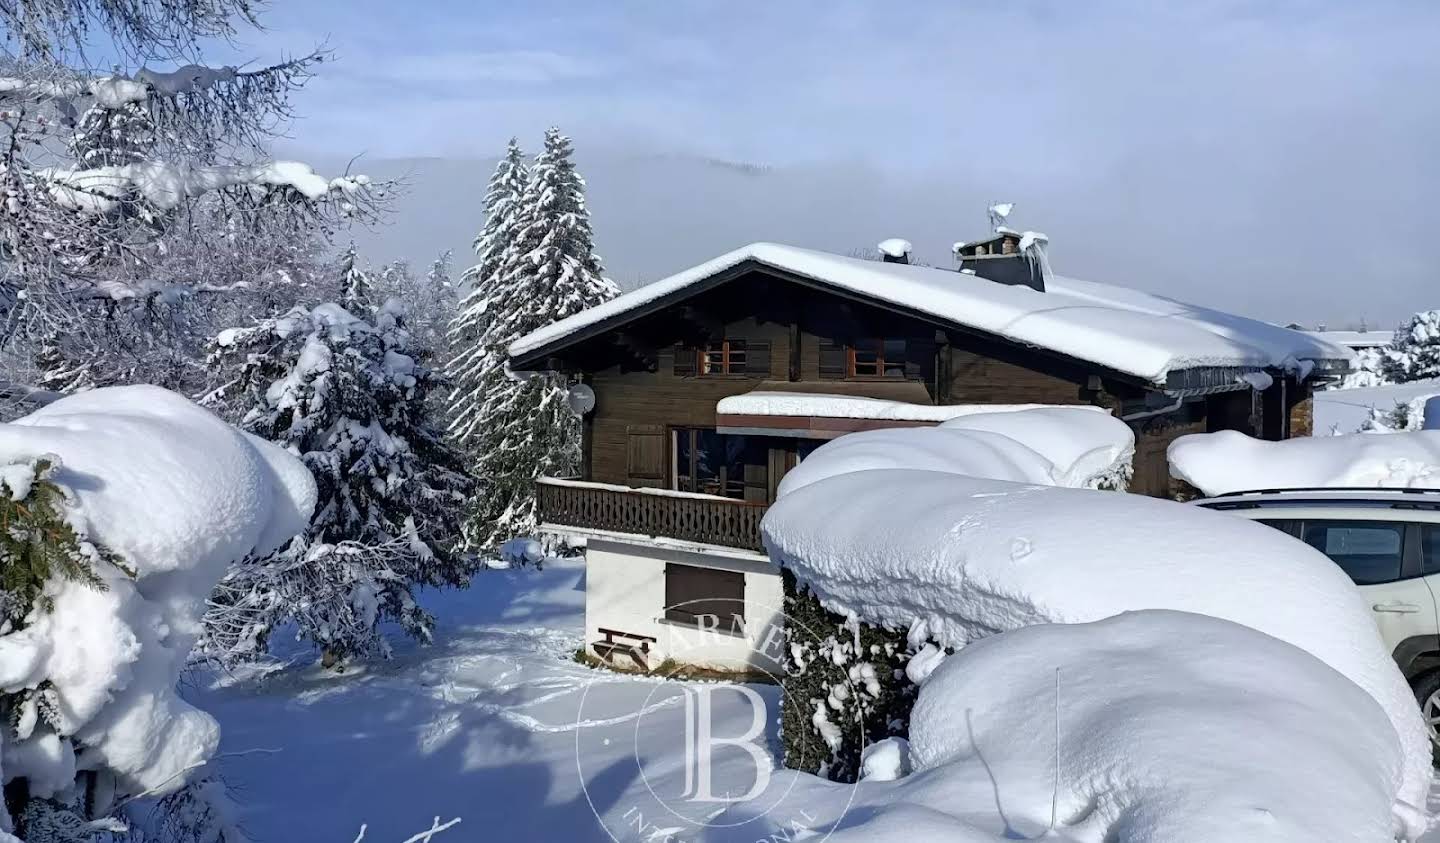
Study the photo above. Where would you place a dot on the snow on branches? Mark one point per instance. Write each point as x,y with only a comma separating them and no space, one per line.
347,393
536,265
1414,354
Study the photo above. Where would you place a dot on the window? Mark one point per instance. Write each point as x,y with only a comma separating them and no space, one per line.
693,593
722,357
1369,551
718,464
1430,548
877,358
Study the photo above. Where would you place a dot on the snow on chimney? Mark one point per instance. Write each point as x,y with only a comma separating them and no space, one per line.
895,250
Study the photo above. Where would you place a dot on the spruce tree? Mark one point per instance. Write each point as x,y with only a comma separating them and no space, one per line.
347,392
470,365
523,428
1414,354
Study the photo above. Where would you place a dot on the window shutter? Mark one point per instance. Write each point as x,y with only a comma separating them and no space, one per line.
757,358
692,591
832,360
645,454
919,358
684,361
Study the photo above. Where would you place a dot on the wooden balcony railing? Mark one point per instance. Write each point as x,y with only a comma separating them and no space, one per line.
705,519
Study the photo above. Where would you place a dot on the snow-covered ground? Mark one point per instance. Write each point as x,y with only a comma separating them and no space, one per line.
1345,410
482,726
493,724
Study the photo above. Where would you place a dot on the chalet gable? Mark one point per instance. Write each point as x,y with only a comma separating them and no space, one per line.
1170,345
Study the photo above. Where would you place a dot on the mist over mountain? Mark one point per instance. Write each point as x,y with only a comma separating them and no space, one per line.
656,214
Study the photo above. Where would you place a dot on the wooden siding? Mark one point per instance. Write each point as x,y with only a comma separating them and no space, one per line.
640,394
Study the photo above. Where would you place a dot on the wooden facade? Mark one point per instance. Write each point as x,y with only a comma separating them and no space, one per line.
650,386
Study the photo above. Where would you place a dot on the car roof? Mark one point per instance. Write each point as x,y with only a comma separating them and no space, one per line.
1347,497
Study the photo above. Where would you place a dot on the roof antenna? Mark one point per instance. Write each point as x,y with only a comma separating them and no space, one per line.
999,213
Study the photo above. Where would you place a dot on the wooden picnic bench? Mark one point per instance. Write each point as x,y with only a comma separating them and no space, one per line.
637,647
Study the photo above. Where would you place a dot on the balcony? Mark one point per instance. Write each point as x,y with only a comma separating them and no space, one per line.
654,513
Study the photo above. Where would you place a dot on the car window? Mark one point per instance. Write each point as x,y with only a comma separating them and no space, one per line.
1369,551
1280,524
1430,547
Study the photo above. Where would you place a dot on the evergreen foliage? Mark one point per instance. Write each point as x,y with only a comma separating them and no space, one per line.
37,543
517,427
841,693
1414,354
470,364
347,393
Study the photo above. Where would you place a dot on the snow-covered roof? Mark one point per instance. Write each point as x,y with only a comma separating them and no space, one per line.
764,402
1127,331
1355,339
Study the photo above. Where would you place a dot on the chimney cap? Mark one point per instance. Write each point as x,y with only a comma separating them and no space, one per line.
895,250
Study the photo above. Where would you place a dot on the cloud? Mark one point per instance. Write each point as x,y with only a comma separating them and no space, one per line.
1273,157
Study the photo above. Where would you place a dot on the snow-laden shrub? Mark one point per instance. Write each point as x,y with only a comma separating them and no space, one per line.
122,507
348,393
855,686
1415,352
1403,417
842,692
1145,727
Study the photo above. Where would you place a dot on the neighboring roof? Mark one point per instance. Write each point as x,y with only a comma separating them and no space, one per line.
1355,339
1123,330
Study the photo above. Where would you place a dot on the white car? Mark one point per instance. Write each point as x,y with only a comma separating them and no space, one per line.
1388,541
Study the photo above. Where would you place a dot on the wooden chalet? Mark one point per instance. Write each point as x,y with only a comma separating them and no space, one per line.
678,476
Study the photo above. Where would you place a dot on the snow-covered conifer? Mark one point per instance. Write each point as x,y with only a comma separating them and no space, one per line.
469,365
346,392
1414,354
521,426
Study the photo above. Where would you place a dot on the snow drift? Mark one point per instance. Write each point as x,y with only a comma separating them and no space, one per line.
970,546
1218,463
1160,734
178,495
1081,447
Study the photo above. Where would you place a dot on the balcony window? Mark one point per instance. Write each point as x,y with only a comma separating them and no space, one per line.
718,464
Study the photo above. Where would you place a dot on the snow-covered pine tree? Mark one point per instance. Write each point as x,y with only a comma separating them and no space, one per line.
470,365
356,288
1414,354
522,427
346,392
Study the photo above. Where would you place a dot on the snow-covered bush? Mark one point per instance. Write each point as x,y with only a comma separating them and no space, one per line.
1229,461
830,715
1366,371
537,265
1403,417
124,507
1414,354
953,559
1146,727
344,392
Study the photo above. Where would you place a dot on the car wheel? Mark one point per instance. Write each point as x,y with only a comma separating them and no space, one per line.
1427,693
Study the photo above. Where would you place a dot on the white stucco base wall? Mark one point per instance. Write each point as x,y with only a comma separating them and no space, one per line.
625,591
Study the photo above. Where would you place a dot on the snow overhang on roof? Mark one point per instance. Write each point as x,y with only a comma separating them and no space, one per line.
1133,333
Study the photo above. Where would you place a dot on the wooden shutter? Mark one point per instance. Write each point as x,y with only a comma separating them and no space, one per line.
757,358
691,591
645,454
832,360
685,358
919,359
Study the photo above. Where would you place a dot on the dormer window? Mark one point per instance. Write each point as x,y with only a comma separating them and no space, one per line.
722,357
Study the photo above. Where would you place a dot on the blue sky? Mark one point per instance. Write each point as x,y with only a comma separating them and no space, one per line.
1183,124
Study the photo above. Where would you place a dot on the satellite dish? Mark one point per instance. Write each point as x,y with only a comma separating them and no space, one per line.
999,213
580,399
